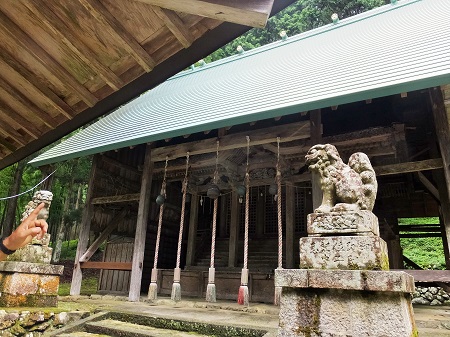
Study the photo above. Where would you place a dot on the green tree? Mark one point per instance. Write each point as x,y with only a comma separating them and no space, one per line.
301,16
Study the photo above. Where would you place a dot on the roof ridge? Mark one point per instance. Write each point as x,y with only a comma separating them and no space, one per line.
301,36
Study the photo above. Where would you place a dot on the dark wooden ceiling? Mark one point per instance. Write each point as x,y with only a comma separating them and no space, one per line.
64,63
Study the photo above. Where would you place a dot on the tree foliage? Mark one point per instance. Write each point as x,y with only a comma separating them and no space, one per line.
301,16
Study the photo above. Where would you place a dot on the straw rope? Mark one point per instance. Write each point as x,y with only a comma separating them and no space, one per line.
247,205
183,206
280,221
161,212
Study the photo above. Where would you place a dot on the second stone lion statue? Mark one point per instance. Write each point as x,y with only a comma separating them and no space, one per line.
345,187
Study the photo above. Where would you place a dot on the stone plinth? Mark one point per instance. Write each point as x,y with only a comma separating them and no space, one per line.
29,284
32,253
344,252
350,303
343,223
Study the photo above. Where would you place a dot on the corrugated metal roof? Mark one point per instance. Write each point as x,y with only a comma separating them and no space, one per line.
389,50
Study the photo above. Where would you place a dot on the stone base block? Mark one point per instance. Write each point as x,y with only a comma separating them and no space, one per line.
344,252
29,284
338,223
324,303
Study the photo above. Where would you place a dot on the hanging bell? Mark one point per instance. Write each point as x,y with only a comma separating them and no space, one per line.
160,199
241,190
213,192
273,190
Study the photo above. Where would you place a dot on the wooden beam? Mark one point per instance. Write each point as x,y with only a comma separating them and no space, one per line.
45,59
420,235
175,25
315,120
45,13
8,144
28,78
101,13
120,165
419,228
22,103
141,227
9,131
9,115
104,235
252,13
115,199
441,124
106,265
415,166
428,185
85,230
287,133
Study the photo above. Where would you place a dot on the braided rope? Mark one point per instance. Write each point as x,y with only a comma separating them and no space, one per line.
213,234
183,206
214,224
161,212
247,205
280,221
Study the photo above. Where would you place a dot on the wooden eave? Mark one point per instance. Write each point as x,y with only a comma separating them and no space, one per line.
66,63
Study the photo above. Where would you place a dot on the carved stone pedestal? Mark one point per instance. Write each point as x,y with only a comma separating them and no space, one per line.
344,288
350,303
29,284
344,252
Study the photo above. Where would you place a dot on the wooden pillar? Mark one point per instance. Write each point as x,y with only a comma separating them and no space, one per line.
441,124
290,225
83,238
234,230
192,235
141,228
315,119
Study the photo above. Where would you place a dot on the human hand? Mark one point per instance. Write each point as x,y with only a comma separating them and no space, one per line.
29,228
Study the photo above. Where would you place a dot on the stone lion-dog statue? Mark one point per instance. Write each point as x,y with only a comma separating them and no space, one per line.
345,187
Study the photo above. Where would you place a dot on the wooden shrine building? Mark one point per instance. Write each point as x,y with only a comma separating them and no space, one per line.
378,83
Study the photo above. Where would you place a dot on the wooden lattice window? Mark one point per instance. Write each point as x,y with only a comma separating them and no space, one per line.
271,213
301,211
251,212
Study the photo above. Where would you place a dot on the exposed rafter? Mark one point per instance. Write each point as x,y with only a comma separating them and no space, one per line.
249,13
15,33
175,25
101,13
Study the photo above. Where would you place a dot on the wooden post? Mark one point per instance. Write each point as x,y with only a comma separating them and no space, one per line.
141,228
234,230
83,238
441,124
192,235
315,119
290,225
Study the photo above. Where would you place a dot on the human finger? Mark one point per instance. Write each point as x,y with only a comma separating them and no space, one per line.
33,215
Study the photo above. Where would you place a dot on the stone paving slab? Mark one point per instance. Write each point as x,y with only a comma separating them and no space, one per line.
429,320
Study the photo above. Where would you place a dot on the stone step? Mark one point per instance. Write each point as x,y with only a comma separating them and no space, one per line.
82,334
430,332
124,329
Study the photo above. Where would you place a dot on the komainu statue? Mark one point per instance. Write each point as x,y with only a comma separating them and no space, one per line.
345,187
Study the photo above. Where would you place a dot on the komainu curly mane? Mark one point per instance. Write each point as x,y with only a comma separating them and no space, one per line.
345,187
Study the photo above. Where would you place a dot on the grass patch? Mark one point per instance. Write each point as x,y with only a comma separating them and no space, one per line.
89,286
428,253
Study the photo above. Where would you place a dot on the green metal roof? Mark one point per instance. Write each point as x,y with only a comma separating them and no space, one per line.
392,49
